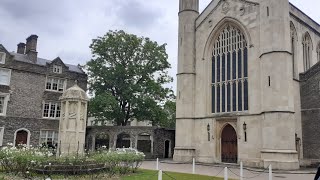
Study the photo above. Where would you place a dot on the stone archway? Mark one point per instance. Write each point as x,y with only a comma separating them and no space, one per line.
229,145
144,143
22,136
167,149
102,140
123,140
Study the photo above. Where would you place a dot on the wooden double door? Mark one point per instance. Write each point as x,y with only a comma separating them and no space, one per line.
21,137
229,145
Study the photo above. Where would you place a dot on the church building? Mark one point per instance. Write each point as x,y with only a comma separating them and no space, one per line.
243,84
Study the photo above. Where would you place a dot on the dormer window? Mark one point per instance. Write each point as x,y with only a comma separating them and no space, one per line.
57,69
2,57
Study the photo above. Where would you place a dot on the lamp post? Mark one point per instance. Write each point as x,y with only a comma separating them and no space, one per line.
208,129
245,131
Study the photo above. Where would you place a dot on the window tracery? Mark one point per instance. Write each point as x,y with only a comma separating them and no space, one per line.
307,49
230,71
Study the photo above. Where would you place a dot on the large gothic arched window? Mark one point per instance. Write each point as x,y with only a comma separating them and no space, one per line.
307,49
230,71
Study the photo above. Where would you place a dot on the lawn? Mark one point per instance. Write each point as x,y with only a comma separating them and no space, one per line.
141,174
153,175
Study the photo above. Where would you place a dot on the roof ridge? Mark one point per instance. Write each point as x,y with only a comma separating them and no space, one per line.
43,61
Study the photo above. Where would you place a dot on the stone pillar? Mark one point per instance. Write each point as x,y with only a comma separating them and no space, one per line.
278,122
93,143
136,141
151,138
115,141
72,126
188,13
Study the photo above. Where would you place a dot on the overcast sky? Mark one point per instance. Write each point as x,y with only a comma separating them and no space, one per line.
66,28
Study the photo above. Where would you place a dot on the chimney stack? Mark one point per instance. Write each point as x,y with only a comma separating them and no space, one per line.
21,48
31,48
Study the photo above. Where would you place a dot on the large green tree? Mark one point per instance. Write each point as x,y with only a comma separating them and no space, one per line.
126,78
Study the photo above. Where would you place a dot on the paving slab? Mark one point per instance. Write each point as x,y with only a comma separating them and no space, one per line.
233,172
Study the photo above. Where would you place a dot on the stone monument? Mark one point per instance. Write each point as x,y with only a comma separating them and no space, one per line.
72,126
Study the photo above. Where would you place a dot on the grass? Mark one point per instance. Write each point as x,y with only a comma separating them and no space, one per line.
153,175
141,174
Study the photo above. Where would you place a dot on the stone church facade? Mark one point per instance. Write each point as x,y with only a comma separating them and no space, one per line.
30,88
240,67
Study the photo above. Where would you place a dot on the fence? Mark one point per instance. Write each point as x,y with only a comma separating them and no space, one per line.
225,169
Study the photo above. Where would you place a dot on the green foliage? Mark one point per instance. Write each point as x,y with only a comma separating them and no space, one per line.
121,161
126,76
20,159
27,161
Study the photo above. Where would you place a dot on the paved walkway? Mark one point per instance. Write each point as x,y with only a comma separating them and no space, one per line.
218,171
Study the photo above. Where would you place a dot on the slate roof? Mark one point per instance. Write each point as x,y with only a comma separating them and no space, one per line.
43,62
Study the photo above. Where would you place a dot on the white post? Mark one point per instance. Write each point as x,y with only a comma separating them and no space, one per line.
157,164
270,172
160,175
193,166
241,170
225,173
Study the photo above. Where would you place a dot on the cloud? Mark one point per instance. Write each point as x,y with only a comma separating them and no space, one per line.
135,13
66,27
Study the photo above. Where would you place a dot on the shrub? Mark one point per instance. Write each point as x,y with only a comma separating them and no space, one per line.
119,161
21,158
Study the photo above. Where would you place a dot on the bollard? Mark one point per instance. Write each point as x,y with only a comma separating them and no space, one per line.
160,175
225,173
157,164
241,170
270,172
193,166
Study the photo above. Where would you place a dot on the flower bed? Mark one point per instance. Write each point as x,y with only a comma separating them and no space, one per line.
22,160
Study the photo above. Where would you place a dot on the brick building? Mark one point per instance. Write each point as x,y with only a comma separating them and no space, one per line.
30,88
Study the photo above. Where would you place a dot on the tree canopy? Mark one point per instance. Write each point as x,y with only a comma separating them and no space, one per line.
126,78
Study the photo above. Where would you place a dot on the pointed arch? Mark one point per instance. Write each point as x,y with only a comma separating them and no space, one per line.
218,27
294,39
307,50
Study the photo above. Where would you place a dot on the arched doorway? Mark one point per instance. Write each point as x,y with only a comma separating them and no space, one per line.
123,141
167,149
229,145
144,143
102,140
21,137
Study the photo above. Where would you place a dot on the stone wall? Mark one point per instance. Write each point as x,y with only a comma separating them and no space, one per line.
310,112
158,137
